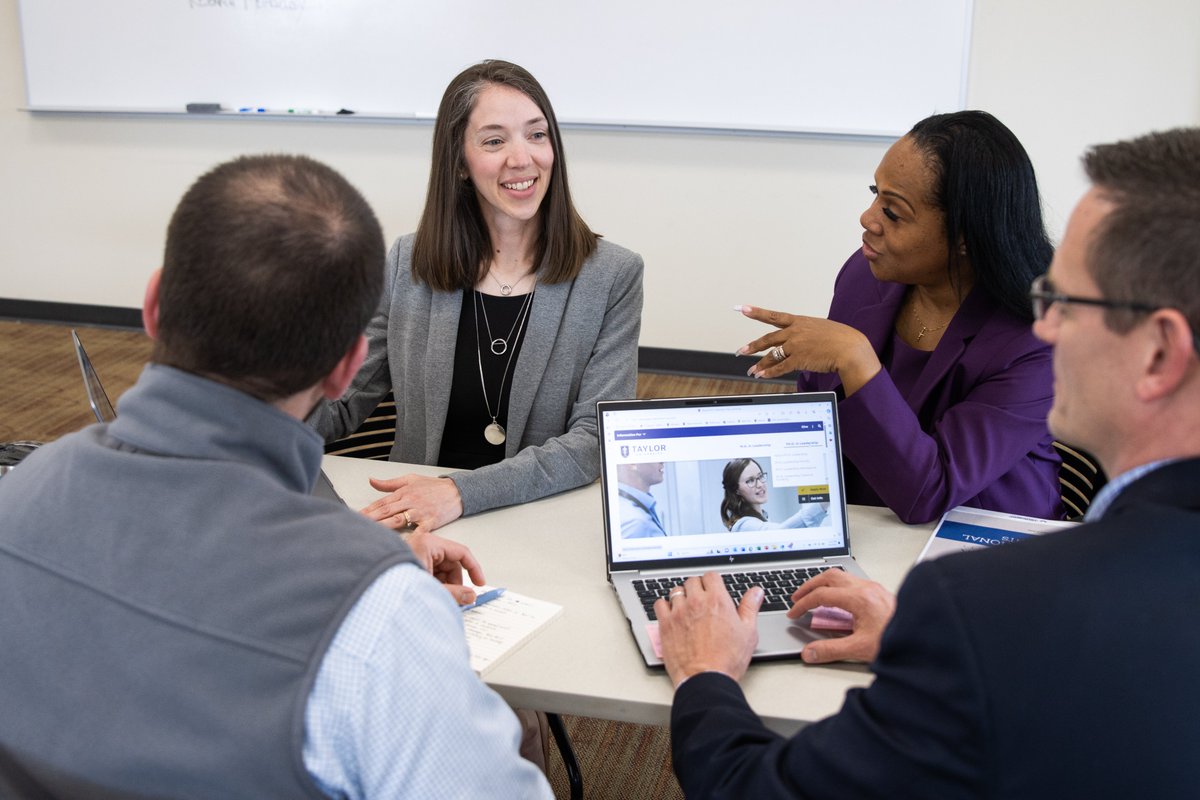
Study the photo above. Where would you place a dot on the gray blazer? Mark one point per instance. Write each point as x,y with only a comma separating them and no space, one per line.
580,347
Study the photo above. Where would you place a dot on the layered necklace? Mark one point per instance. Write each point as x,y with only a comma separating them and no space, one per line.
494,432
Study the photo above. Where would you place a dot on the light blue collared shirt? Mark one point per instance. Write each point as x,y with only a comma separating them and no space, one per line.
397,712
639,514
1109,491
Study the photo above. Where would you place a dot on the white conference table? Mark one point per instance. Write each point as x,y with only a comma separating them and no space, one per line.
585,662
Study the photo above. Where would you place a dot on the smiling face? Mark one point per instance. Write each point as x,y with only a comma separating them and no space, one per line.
508,155
752,484
904,234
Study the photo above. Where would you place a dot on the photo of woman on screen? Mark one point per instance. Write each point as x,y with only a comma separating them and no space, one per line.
743,507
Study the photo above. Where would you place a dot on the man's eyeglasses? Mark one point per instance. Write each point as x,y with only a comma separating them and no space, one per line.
1042,295
760,478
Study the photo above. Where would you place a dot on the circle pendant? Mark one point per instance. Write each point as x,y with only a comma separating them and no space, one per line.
505,289
494,433
499,347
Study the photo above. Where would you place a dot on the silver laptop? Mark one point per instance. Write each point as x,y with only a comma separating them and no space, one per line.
97,397
745,484
104,411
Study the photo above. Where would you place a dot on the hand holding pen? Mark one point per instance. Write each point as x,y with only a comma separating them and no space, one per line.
485,597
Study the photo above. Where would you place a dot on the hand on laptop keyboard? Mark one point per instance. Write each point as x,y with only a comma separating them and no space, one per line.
777,585
872,607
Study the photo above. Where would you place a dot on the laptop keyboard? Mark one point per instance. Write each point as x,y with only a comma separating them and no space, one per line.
777,586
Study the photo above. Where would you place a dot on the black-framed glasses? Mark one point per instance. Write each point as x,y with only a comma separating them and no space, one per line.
1042,296
760,478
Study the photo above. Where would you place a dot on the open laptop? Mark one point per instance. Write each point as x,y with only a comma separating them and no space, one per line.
104,411
97,397
664,464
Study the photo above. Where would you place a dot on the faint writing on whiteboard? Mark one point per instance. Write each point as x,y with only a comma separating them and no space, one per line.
259,5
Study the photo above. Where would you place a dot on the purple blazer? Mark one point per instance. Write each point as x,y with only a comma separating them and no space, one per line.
972,430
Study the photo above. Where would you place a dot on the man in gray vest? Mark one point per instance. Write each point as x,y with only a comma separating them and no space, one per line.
179,616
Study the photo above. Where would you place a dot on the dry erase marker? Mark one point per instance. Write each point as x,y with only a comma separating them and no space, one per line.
486,597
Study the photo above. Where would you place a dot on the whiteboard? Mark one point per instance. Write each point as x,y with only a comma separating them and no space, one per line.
870,67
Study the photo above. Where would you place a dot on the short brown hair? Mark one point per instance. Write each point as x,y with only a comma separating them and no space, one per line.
452,246
273,265
1144,250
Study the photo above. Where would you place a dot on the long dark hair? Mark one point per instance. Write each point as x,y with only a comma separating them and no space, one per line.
734,506
452,246
985,185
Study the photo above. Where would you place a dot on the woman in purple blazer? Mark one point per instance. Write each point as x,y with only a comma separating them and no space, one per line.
944,389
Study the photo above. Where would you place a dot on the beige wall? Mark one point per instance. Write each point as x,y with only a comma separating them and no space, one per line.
719,219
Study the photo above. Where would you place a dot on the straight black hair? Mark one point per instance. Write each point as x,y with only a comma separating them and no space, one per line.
985,185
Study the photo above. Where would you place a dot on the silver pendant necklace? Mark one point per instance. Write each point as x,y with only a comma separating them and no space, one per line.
494,432
507,288
499,346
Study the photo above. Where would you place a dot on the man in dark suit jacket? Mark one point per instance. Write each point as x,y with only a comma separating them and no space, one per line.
1060,667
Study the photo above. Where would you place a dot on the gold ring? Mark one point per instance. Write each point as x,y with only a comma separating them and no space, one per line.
407,519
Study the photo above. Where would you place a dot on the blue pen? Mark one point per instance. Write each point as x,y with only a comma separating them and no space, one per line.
486,597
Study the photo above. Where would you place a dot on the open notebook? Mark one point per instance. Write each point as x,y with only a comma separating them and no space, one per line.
666,464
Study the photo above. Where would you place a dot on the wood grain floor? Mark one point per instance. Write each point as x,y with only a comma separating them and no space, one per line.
42,398
41,389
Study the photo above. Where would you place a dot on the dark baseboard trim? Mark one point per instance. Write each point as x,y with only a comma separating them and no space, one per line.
70,313
696,363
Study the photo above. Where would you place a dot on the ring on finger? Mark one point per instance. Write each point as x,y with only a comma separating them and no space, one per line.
777,353
407,519
675,593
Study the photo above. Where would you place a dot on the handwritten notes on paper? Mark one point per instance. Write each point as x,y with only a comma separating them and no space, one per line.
497,629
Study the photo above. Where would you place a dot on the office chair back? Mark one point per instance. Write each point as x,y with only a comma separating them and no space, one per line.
1079,479
374,436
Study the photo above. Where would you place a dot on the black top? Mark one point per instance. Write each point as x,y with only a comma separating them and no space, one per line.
463,445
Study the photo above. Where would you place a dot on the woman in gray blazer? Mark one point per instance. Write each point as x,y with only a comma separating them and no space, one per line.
504,317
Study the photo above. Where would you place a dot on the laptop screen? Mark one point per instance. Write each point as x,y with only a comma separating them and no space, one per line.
722,479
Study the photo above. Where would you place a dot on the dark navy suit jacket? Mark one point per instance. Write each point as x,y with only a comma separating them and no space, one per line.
1063,666
973,430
